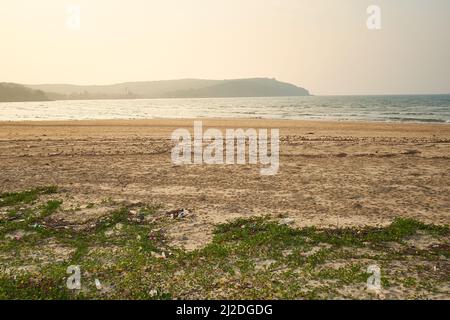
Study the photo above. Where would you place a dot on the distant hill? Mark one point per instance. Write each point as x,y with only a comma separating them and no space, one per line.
242,88
11,92
185,88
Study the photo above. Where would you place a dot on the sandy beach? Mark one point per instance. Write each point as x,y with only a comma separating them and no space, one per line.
225,150
332,174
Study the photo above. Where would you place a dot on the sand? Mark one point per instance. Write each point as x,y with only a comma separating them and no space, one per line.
331,173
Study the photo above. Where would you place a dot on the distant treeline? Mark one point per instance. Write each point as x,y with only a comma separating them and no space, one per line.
183,88
84,95
11,92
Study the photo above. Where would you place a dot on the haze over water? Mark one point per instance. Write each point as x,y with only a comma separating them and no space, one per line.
412,108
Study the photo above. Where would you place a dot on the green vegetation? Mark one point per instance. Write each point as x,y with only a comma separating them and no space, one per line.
24,197
185,88
129,251
11,92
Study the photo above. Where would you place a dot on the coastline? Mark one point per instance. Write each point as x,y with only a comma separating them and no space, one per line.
160,126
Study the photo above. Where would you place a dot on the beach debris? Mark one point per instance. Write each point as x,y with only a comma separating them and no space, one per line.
178,214
341,155
153,293
411,152
286,221
158,256
98,284
54,154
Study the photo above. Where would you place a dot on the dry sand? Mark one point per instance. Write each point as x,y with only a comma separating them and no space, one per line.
331,173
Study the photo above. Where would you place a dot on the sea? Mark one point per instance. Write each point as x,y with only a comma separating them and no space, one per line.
398,108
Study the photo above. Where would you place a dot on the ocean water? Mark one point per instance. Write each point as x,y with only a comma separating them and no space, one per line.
414,108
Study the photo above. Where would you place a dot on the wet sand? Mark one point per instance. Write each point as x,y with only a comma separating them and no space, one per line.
331,173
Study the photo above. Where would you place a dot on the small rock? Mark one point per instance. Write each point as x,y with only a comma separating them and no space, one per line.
98,284
109,233
178,214
119,226
286,221
159,256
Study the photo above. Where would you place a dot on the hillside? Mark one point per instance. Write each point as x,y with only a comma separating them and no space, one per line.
242,88
185,88
11,92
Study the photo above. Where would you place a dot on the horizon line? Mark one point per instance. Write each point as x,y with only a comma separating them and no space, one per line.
231,79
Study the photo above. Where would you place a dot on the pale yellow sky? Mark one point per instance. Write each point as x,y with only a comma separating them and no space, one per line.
322,45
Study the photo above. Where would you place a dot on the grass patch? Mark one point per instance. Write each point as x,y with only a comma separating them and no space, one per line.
255,258
25,197
50,207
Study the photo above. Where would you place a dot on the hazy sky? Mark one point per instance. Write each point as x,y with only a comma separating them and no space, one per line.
323,45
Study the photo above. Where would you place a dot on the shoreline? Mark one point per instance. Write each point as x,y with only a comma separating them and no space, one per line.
239,119
164,127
